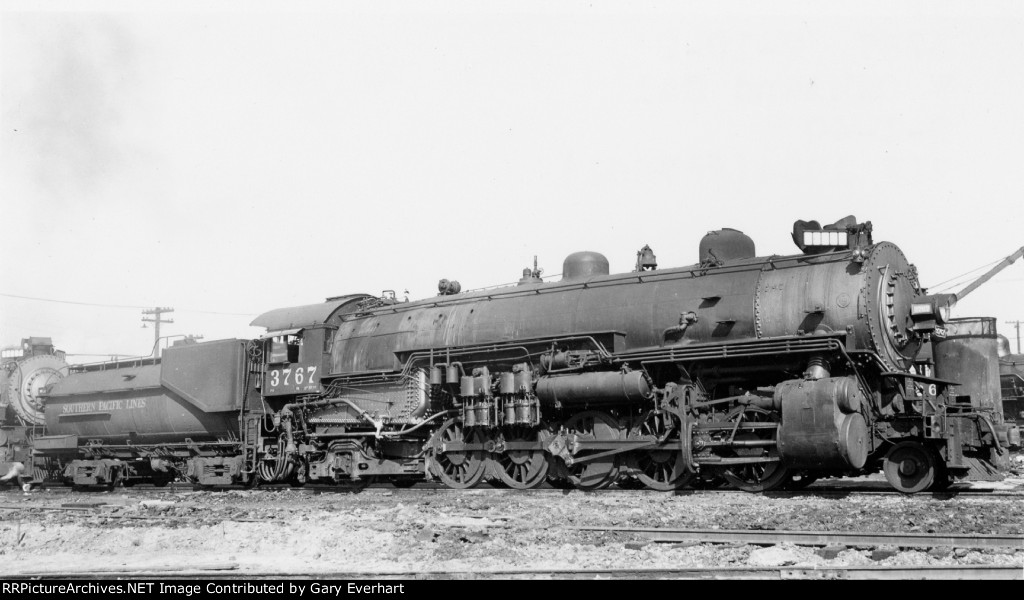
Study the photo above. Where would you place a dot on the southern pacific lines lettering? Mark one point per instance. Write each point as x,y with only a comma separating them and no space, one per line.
103,406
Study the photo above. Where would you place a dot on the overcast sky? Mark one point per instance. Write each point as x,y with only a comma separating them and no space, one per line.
246,157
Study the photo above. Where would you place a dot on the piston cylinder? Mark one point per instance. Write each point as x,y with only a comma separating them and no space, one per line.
820,428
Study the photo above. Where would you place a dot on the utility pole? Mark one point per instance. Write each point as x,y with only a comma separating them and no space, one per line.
1017,325
156,320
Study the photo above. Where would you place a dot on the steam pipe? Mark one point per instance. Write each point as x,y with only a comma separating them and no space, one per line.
387,433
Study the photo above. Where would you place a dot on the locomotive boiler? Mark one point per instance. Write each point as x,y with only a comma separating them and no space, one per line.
756,371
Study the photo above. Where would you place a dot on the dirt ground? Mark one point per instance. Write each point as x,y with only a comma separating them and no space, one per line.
387,529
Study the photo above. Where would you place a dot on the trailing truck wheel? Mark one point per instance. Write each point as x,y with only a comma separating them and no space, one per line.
909,467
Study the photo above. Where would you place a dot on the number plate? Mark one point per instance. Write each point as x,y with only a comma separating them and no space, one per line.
291,379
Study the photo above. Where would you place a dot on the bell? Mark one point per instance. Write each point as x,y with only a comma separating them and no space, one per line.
645,259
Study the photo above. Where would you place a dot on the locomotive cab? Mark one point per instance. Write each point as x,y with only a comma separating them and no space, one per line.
296,360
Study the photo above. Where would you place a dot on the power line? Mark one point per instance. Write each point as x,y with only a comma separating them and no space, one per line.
129,306
69,301
941,283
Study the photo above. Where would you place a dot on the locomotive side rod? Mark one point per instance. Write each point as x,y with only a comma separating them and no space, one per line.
614,447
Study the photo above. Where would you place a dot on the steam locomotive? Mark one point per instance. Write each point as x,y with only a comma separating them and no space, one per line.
755,371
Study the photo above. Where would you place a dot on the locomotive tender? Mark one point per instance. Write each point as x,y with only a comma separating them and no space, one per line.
759,371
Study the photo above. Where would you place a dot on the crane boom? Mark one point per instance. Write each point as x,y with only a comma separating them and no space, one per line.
991,273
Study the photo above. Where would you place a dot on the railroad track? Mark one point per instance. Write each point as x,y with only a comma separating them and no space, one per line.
1012,542
820,538
853,572
828,492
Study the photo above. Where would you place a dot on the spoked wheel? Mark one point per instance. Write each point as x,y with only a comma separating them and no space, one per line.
909,467
756,477
521,469
593,425
661,469
458,470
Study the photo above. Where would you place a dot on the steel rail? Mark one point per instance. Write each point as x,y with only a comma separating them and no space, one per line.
846,572
820,538
434,487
